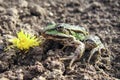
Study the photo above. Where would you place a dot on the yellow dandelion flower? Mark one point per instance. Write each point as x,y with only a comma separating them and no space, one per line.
24,41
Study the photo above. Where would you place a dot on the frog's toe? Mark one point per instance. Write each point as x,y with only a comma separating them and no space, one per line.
72,58
71,68
72,61
63,47
63,59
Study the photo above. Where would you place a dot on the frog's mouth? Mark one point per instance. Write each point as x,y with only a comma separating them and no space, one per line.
56,37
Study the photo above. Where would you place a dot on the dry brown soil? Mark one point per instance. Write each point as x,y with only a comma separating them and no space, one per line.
101,17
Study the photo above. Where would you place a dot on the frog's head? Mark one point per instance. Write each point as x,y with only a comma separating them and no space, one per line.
53,31
63,30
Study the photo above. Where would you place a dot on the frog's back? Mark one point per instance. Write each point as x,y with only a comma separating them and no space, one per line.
75,28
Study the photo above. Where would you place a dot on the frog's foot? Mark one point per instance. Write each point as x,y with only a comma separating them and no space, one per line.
105,64
72,58
64,47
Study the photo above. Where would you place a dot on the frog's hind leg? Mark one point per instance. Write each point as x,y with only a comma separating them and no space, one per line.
77,54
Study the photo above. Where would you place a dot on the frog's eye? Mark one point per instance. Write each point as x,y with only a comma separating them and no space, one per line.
59,28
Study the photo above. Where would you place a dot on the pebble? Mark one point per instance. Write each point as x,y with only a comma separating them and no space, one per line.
51,14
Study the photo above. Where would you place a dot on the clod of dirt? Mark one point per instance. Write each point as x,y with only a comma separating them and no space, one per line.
53,75
23,3
37,68
54,64
2,9
37,10
13,75
12,12
29,58
3,66
3,78
6,61
39,78
8,20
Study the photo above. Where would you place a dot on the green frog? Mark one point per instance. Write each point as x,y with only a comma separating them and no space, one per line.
76,36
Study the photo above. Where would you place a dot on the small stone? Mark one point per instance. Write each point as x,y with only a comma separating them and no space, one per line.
12,11
23,3
87,77
39,78
8,36
51,14
96,4
2,9
20,74
46,4
50,53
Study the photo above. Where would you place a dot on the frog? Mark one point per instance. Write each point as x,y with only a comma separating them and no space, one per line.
76,36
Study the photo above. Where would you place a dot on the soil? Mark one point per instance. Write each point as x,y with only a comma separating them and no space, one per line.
100,17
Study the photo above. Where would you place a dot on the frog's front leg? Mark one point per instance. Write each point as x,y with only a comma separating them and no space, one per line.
100,48
77,53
